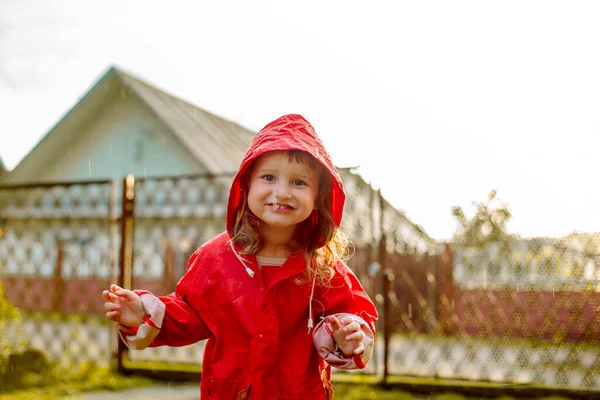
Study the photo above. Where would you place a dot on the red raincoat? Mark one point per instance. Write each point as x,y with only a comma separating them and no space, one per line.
256,326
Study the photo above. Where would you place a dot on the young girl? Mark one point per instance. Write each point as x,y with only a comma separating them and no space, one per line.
257,290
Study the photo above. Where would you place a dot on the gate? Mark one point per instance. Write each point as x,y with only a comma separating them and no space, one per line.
164,220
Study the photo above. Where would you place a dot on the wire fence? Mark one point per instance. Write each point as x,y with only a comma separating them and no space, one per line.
517,312
57,252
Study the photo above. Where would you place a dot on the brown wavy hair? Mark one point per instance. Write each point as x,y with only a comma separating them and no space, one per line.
320,239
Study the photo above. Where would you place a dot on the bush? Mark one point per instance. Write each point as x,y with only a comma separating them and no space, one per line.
19,367
9,318
25,369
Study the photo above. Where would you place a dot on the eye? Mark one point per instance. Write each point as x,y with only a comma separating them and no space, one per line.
298,182
268,178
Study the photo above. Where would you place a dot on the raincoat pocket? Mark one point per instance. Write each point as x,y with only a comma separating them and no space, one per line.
228,390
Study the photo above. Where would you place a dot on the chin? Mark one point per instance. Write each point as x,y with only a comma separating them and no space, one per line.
280,224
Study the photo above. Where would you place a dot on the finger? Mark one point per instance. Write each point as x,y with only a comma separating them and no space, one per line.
108,296
111,307
112,316
118,290
351,329
128,294
354,327
355,337
335,324
346,321
359,349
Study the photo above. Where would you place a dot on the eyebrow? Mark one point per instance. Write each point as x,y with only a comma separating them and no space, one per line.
273,171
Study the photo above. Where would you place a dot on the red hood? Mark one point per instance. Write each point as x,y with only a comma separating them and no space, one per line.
290,132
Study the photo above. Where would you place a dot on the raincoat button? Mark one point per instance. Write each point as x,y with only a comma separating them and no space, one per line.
243,395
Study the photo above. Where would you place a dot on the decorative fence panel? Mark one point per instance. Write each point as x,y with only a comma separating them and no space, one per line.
57,253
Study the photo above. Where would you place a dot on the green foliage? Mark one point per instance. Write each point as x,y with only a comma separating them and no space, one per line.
7,310
487,225
10,324
20,367
28,368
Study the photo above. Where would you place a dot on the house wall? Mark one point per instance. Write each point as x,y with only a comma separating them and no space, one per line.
125,138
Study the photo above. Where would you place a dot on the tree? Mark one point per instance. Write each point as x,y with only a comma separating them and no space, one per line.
487,225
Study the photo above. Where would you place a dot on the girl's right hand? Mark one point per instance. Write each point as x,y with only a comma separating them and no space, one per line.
123,306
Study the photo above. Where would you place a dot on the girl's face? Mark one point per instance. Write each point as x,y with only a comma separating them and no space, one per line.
282,191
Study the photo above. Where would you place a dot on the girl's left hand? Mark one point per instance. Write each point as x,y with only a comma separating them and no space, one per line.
348,335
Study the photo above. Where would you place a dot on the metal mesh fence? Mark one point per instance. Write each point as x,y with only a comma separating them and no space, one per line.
518,312
57,252
513,311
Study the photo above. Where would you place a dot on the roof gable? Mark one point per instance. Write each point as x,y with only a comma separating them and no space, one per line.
216,143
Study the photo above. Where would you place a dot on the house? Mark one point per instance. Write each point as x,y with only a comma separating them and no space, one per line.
123,126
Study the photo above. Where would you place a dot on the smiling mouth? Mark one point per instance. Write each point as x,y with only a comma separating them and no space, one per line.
280,206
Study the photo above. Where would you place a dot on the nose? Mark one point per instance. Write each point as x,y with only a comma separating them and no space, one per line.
282,191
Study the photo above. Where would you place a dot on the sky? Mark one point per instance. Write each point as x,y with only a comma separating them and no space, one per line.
436,102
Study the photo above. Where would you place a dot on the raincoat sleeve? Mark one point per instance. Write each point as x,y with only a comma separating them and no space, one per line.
170,320
345,297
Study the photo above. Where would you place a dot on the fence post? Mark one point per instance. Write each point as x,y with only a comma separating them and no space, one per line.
385,273
445,292
388,285
383,286
169,271
126,252
59,283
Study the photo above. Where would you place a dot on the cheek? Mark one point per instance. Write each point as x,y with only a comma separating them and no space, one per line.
255,190
253,198
315,199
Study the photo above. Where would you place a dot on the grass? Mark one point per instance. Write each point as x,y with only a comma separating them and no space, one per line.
346,391
108,381
53,383
94,379
71,385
